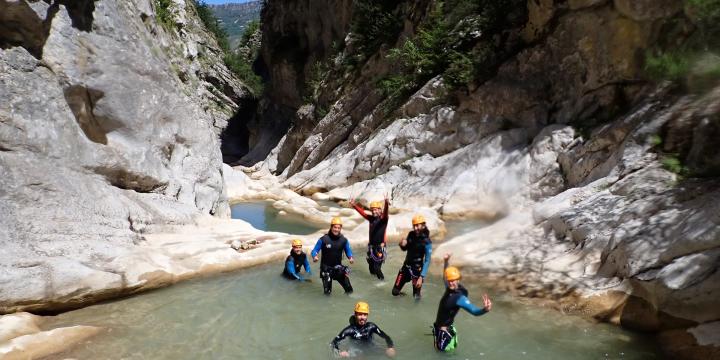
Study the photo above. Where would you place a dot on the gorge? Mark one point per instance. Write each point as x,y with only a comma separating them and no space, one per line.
597,181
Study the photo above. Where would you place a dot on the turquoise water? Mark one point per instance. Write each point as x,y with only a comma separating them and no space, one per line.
257,314
261,215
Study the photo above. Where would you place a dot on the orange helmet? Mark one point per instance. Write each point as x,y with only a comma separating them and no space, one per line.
452,273
362,307
376,205
296,242
336,221
418,219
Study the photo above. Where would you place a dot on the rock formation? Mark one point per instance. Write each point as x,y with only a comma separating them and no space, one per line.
563,145
109,126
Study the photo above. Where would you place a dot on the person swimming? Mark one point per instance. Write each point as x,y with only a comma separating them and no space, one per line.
362,331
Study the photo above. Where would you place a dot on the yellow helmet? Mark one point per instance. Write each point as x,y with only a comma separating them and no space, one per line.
296,242
418,219
452,273
336,221
376,205
362,307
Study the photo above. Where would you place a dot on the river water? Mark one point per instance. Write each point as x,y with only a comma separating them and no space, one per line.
262,216
257,314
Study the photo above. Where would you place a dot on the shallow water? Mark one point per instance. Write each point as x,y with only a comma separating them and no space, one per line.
261,215
460,227
257,314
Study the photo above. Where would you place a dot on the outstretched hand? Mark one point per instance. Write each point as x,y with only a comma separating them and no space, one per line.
352,202
351,260
486,302
446,257
315,258
390,352
344,354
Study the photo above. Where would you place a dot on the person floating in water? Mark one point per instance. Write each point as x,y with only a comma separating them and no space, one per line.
455,297
295,261
417,260
376,242
362,331
332,246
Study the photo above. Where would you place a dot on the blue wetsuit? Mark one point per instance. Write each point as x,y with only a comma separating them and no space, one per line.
450,303
331,267
293,264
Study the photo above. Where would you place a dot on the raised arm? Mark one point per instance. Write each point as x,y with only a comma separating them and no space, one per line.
446,263
465,303
386,213
359,209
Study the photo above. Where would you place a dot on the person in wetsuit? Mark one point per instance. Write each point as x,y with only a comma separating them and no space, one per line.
295,261
332,245
362,331
378,220
452,301
417,260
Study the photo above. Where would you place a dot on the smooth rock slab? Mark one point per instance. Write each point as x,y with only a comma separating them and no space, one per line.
22,338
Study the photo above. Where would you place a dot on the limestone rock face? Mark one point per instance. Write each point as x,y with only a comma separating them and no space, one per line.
101,140
560,146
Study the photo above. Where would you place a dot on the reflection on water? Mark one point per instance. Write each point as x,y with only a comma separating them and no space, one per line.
256,314
459,227
262,216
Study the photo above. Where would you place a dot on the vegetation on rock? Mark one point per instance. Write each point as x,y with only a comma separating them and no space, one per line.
164,14
237,18
456,40
238,64
693,58
374,23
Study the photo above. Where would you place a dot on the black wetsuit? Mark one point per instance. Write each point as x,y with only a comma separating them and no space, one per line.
293,263
450,304
331,267
417,261
376,239
362,334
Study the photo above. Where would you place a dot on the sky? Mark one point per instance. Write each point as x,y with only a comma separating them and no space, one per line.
225,1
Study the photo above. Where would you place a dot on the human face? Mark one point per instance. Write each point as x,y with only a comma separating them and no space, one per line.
419,227
453,284
297,249
361,318
335,229
376,212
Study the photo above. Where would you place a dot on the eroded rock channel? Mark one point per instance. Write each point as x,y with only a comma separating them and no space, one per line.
532,132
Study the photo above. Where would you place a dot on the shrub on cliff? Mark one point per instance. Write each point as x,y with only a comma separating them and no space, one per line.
163,13
211,23
374,22
455,40
235,62
692,58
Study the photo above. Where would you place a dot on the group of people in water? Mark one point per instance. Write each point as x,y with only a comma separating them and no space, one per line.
329,250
